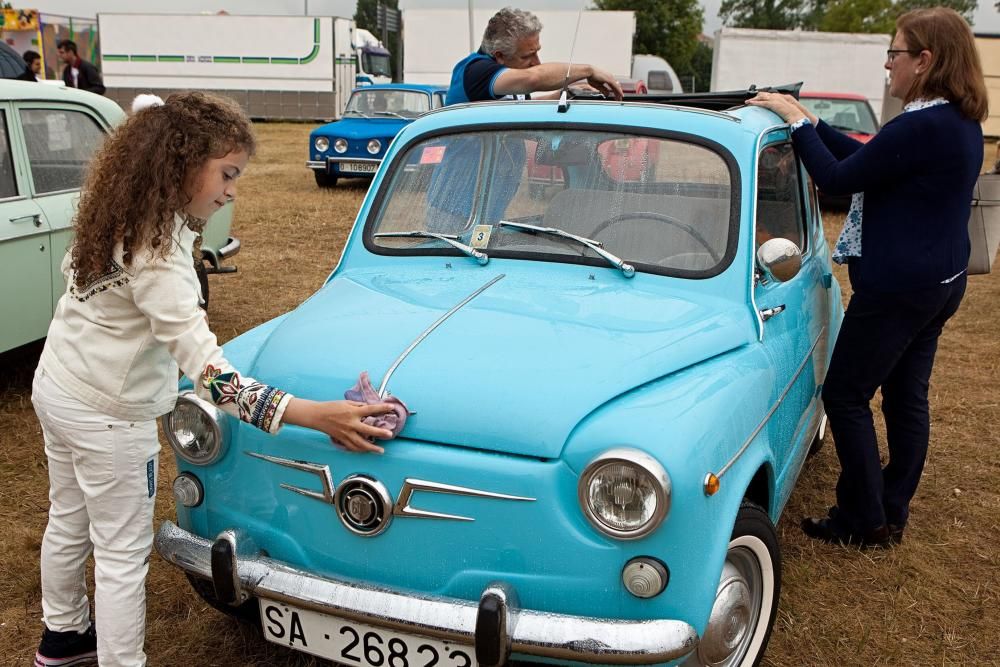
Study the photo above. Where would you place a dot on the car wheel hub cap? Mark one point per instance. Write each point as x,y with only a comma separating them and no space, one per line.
731,622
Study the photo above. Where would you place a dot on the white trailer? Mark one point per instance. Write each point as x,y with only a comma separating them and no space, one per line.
296,67
834,62
434,40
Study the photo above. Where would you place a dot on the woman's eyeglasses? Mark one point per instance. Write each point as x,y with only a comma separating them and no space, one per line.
892,53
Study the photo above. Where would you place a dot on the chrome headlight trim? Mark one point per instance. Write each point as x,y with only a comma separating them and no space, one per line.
374,146
213,417
340,145
321,144
647,465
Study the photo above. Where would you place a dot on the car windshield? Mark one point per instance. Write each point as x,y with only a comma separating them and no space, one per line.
388,103
663,205
376,64
847,115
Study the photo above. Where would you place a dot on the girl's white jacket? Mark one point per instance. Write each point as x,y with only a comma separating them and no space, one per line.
116,343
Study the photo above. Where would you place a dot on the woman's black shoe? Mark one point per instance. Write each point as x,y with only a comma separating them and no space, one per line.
827,531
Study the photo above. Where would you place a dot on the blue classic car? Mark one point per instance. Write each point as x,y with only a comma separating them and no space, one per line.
614,384
354,146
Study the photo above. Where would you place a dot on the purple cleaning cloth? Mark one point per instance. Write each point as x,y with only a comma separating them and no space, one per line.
364,392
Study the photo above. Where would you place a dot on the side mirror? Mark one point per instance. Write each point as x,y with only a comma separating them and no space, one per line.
779,259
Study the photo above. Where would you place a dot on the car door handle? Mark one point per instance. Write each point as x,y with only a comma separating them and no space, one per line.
768,313
35,218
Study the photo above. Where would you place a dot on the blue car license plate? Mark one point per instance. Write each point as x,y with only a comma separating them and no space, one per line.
359,167
353,643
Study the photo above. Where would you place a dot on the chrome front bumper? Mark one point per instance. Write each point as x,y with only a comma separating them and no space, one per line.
495,625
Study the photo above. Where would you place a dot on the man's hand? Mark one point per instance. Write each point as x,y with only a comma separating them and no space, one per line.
605,84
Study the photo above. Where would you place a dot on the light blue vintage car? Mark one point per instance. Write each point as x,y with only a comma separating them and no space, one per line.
614,384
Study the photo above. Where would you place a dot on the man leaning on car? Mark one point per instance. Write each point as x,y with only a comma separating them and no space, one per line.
507,64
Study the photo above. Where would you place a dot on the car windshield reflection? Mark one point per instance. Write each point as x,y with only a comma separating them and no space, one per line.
663,205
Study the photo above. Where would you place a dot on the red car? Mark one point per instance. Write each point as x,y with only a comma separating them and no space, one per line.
846,112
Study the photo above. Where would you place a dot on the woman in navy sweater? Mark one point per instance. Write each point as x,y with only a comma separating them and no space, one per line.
906,244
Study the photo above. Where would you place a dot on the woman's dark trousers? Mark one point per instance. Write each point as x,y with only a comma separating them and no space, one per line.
887,340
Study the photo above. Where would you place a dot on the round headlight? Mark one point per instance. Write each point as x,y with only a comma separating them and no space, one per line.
625,493
321,144
192,429
340,145
374,146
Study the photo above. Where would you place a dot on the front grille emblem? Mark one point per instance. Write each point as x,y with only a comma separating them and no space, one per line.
363,505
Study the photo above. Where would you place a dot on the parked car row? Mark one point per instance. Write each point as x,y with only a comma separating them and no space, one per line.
569,301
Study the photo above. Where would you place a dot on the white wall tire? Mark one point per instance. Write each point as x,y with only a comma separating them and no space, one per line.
747,596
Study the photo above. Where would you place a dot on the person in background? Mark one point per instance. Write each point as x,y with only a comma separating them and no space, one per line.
906,245
78,73
32,67
507,64
129,318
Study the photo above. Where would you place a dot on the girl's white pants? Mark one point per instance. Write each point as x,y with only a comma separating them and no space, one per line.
102,484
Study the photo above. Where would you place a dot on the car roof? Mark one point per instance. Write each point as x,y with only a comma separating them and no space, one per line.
731,128
417,87
727,107
22,91
834,96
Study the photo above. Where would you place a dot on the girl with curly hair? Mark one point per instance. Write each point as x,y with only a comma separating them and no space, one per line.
129,318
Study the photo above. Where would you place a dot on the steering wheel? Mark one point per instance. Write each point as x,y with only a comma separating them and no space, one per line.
660,217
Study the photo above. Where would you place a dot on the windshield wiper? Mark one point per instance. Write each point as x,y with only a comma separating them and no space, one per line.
627,269
364,115
450,239
390,113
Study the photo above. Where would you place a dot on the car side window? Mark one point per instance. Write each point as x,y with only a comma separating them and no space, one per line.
60,143
779,196
8,184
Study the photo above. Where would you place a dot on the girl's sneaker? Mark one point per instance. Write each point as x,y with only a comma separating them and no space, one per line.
67,649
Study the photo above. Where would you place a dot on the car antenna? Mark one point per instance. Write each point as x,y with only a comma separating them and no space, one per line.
564,94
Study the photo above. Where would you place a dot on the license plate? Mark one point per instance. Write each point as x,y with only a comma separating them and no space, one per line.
352,643
362,167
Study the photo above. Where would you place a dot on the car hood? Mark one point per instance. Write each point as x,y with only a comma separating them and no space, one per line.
362,128
515,369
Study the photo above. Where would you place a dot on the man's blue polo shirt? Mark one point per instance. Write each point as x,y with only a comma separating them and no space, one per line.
472,79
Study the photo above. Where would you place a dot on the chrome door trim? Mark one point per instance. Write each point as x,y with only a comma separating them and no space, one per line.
770,413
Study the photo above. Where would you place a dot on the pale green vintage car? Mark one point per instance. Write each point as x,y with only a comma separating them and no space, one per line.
47,135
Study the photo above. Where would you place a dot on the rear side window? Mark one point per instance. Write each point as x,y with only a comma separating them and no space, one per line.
8,186
779,196
60,143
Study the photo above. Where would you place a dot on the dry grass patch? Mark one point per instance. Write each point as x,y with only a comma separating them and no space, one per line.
932,601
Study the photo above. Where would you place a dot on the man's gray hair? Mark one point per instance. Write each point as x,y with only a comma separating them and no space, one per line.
507,27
